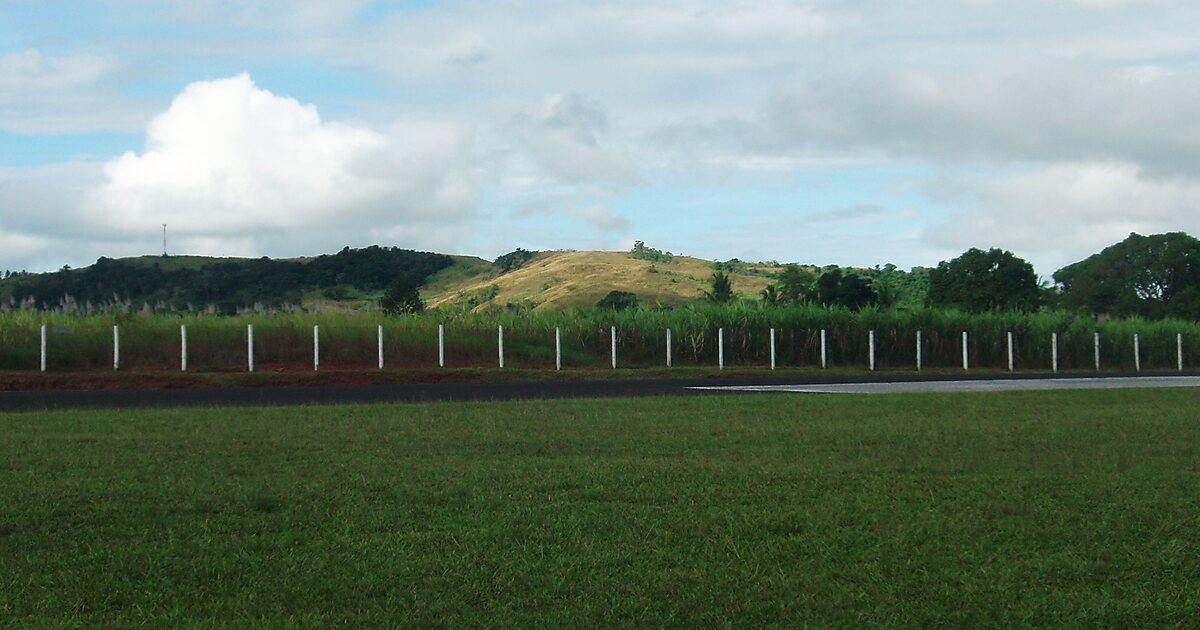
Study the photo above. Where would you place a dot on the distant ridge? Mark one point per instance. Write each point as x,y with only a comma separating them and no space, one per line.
356,278
223,284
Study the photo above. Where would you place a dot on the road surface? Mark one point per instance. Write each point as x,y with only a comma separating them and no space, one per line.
869,384
995,385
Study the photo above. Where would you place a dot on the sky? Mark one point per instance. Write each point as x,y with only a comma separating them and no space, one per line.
848,132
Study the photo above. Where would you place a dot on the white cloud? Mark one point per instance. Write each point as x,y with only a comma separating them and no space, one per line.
1061,213
676,96
306,16
20,250
235,169
856,212
1053,110
30,70
228,158
602,218
41,94
599,217
562,139
47,199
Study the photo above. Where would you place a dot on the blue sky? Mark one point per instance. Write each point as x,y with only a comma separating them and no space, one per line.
852,132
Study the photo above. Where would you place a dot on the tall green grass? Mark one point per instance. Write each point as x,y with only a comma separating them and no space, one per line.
348,338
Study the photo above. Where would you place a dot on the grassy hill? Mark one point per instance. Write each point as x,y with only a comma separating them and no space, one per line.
554,280
357,278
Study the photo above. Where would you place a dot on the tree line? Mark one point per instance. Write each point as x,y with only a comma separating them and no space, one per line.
227,285
1152,277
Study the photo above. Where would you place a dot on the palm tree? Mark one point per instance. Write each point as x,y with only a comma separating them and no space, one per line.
722,289
770,295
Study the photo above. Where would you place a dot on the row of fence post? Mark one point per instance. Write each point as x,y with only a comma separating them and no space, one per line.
441,337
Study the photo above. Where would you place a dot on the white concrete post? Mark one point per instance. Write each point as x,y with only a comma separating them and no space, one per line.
43,347
1097,343
824,356
557,348
316,348
116,349
871,349
249,347
720,348
1137,353
1179,349
1054,351
966,363
918,351
379,339
182,347
1010,351
441,345
500,344
772,348
613,337
668,347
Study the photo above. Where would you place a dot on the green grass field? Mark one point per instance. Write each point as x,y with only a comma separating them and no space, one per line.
1015,509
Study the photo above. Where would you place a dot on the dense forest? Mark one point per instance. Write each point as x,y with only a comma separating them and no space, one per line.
225,285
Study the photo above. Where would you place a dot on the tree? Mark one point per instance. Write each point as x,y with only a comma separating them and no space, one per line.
849,290
886,294
642,252
401,297
722,288
1149,276
795,284
618,301
979,281
513,260
771,296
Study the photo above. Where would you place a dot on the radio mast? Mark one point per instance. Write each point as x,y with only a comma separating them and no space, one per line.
164,240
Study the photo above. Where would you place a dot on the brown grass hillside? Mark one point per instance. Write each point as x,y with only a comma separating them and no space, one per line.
556,280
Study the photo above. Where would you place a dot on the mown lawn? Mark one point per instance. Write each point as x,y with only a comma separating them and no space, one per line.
1076,508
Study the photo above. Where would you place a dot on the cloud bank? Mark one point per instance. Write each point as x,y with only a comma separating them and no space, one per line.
1049,127
235,169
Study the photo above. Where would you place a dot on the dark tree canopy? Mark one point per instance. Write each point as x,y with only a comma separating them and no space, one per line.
513,260
642,252
795,284
229,284
849,290
402,297
618,301
722,289
1148,276
979,281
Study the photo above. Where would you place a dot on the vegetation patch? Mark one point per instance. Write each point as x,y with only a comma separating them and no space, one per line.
225,285
1023,508
349,338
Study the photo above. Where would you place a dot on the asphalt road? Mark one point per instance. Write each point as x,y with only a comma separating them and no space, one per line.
243,396
996,385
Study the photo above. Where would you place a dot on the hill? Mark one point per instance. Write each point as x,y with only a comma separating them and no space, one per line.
225,284
553,280
356,278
